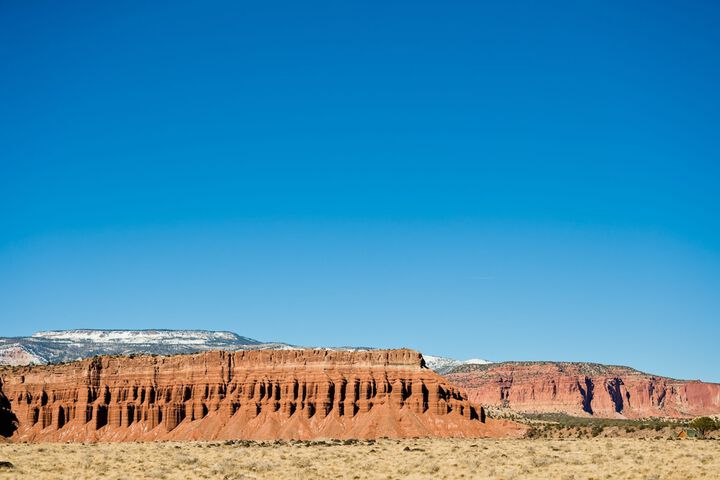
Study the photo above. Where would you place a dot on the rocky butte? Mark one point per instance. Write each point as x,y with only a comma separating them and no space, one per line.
263,395
584,389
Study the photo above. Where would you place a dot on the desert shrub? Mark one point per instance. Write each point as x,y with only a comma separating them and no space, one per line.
596,430
704,425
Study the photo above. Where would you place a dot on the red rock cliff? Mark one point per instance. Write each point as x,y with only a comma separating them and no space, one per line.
585,389
267,394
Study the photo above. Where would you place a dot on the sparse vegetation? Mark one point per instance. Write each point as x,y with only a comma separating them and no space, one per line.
568,421
572,458
562,426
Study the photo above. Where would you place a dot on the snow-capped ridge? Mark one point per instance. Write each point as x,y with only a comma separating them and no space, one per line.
187,337
443,364
56,346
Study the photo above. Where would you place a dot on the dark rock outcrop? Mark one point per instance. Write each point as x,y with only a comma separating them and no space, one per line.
8,420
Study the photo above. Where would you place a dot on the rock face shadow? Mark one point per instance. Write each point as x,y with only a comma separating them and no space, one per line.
8,420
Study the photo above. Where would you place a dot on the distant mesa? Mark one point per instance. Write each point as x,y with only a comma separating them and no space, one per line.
69,345
261,395
584,389
186,337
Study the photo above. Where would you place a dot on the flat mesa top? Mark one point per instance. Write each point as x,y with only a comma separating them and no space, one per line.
405,358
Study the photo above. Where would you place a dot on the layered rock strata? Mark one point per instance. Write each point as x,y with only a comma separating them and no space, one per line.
584,389
264,395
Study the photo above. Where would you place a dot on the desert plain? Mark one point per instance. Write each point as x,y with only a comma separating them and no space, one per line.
566,459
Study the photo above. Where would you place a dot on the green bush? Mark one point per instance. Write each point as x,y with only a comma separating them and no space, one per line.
704,425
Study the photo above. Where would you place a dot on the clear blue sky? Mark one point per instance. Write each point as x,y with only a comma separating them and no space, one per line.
507,180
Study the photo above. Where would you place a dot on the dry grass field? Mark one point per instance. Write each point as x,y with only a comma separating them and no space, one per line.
598,458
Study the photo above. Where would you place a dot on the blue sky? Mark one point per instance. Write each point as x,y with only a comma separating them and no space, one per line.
508,180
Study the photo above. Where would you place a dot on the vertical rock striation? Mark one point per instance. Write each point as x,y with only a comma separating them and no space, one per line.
266,394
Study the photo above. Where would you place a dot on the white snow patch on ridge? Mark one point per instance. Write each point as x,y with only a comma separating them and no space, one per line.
14,354
444,364
185,337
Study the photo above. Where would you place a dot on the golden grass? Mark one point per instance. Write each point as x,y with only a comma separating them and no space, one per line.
598,458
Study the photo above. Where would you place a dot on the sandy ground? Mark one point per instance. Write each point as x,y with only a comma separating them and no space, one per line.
597,458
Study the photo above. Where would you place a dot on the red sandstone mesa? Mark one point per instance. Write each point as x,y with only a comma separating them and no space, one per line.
267,394
583,389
